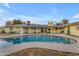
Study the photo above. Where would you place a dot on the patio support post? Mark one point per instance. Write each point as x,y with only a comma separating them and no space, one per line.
58,30
21,30
58,33
21,33
51,30
37,30
29,30
44,30
44,33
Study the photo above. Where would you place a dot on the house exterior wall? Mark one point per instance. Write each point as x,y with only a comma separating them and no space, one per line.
65,30
74,30
1,29
6,30
16,30
54,30
33,30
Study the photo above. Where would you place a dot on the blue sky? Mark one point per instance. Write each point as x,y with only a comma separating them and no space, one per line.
39,13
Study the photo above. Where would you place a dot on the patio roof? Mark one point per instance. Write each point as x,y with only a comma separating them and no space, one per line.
60,25
34,25
25,25
75,23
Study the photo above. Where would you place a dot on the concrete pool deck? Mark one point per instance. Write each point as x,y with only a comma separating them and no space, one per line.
53,46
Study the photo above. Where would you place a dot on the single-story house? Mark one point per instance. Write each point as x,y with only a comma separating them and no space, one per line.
34,28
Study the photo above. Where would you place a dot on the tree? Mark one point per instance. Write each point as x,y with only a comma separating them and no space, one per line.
28,22
65,21
19,21
24,22
15,22
8,23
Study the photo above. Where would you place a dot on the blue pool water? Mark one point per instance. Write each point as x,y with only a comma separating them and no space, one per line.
4,42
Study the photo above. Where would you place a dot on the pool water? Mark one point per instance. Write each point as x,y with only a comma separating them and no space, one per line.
4,42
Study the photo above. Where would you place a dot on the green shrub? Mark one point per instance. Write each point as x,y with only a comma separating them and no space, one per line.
62,32
11,32
3,31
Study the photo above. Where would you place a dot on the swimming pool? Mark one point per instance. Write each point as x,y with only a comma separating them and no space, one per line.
9,41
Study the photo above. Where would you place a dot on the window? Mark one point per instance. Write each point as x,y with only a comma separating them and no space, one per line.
56,28
48,29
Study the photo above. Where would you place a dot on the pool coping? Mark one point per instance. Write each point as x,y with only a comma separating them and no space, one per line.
53,46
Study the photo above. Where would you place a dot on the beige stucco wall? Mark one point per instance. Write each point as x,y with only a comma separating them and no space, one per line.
74,30
54,30
65,30
7,30
31,30
1,29
4,29
34,30
57,31
17,30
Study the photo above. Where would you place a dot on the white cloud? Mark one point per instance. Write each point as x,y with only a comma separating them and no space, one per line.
76,16
25,18
3,16
7,5
37,20
6,15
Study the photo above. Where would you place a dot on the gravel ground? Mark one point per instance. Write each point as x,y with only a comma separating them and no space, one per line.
42,52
